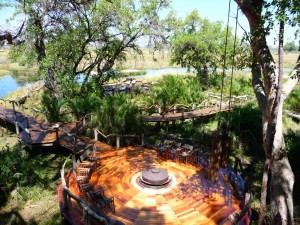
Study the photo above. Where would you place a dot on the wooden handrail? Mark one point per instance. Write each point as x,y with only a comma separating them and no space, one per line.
67,193
195,105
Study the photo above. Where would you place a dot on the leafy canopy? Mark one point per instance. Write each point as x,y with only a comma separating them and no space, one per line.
76,41
199,44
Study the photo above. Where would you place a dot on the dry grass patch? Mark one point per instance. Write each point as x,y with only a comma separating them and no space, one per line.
289,59
148,60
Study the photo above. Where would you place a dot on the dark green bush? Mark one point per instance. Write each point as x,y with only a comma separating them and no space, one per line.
293,101
118,115
176,90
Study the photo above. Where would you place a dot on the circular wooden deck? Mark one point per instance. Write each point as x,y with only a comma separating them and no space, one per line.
193,200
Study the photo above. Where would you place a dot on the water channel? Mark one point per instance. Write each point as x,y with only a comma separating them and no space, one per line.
9,84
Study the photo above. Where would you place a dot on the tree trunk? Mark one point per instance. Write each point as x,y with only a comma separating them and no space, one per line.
270,93
282,178
263,197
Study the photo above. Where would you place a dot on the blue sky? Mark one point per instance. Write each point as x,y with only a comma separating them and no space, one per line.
218,10
212,9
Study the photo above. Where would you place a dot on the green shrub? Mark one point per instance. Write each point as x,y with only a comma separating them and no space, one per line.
293,101
176,90
241,85
118,115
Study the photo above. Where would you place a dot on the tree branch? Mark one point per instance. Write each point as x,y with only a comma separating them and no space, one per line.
292,81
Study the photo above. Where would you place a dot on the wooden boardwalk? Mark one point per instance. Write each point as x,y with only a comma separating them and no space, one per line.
36,132
185,115
193,199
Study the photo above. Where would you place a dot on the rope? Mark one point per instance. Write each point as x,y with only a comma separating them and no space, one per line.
233,62
224,65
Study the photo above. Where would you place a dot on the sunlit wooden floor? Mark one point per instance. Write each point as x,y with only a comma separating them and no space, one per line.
193,200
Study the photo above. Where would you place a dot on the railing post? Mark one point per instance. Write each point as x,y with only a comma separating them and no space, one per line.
56,133
174,109
33,113
76,129
118,141
95,147
74,162
142,137
75,141
17,128
95,135
65,200
236,164
14,108
86,218
159,110
46,115
27,123
84,122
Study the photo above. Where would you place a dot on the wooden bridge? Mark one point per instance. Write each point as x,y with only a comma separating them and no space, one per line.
194,200
212,105
183,115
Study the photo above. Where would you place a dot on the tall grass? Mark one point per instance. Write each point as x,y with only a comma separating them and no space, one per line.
29,180
293,101
118,114
175,90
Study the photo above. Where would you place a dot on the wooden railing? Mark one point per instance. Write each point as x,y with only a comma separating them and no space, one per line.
213,100
118,137
87,210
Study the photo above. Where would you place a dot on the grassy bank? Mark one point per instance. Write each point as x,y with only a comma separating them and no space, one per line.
29,180
15,69
148,60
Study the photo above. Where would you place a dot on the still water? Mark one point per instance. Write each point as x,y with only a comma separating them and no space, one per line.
8,84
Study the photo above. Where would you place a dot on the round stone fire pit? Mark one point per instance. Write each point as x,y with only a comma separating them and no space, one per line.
155,178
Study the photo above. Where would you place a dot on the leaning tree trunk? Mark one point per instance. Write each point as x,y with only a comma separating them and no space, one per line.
282,177
270,93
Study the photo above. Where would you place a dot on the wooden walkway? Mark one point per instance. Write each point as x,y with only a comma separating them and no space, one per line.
40,133
193,200
186,115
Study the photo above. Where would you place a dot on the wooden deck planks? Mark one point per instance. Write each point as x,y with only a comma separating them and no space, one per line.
182,205
187,203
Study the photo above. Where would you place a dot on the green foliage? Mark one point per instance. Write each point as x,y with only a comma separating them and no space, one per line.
293,101
25,170
53,107
290,46
199,44
292,140
97,35
22,55
176,90
241,85
118,115
215,81
285,11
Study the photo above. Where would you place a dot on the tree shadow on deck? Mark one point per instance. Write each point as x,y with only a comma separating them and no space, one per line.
145,215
